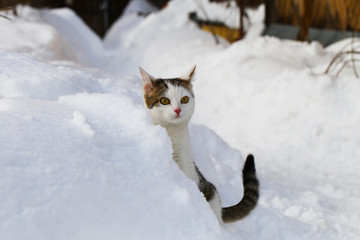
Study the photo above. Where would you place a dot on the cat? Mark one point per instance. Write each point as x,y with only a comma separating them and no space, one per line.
170,103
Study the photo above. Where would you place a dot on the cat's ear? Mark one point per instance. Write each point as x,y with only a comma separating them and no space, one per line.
190,74
147,80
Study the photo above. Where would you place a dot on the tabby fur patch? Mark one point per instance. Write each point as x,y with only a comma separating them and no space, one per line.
156,90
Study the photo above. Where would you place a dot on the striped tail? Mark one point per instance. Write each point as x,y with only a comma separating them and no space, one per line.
251,194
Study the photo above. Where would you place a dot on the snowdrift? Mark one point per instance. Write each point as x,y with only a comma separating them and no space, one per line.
79,158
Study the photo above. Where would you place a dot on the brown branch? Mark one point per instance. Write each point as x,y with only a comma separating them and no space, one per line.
353,58
6,10
5,17
344,65
339,55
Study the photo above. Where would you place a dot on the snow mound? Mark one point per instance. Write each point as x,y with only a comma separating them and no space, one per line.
80,160
24,76
89,165
28,33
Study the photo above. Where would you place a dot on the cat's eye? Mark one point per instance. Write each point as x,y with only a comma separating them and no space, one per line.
185,99
164,101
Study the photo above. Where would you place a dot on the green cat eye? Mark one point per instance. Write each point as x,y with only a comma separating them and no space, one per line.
185,99
164,101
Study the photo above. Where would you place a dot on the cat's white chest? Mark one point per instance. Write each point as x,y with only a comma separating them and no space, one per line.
181,151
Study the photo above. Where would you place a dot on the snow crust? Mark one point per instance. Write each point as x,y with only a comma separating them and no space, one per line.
79,158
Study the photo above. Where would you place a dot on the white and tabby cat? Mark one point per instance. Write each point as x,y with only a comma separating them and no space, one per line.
171,105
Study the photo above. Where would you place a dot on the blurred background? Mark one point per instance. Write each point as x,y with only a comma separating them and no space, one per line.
326,21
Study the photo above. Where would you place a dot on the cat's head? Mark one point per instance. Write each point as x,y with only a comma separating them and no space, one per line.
169,101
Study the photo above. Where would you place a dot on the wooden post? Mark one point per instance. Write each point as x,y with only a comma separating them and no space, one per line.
269,9
241,5
303,13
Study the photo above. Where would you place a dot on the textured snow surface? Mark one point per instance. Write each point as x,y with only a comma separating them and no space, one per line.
79,158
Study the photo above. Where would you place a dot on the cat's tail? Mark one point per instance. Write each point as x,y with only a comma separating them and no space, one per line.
251,194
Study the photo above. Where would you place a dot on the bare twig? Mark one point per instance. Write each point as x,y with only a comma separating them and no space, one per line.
3,16
345,63
340,56
353,57
6,10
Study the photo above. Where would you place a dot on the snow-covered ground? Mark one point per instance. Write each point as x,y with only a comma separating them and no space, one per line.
79,158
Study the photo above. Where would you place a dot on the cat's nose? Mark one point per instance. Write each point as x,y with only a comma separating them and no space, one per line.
177,110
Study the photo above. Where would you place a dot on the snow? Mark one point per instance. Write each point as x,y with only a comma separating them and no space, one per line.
79,158
139,7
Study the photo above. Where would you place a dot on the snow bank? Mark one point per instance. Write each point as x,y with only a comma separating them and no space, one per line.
89,165
80,160
86,45
24,76
270,97
28,33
